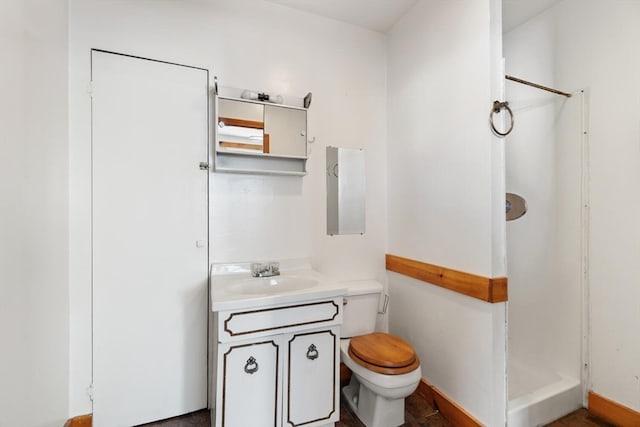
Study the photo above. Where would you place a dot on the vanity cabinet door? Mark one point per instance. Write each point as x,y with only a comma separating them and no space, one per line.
249,391
311,378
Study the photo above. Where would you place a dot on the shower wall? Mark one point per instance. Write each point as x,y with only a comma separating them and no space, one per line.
597,45
590,44
543,164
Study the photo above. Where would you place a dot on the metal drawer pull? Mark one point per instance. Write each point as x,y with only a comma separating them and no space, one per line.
312,352
251,366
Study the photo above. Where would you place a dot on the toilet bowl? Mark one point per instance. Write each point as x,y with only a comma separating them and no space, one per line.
385,369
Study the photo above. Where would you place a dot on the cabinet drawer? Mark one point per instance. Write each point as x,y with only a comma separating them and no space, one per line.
244,324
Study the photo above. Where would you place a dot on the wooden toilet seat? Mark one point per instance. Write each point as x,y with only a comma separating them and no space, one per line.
383,353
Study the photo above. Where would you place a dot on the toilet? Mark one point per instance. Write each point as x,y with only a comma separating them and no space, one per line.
385,369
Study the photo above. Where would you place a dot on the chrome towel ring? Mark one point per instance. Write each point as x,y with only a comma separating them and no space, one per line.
497,107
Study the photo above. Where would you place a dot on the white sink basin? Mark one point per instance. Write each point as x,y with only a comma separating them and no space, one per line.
235,288
270,285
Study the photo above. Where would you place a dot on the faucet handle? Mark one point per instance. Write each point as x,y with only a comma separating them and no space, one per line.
265,270
274,267
257,268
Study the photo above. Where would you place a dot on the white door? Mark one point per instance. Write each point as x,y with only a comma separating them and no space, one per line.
149,209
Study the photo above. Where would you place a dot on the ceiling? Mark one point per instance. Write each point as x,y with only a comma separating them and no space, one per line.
380,15
516,12
377,15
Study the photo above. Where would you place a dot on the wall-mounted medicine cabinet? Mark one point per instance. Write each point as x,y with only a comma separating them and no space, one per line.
345,191
259,137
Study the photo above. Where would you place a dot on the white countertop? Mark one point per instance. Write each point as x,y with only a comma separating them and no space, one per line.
224,298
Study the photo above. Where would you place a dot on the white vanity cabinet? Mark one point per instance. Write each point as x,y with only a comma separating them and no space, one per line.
278,365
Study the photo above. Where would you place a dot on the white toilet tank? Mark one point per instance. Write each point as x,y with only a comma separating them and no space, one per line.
361,308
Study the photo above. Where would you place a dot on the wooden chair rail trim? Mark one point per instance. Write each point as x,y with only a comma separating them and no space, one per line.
611,411
449,409
79,421
230,121
491,290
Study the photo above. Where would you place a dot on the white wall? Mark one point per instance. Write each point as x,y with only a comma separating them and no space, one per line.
446,194
543,165
34,317
247,44
597,44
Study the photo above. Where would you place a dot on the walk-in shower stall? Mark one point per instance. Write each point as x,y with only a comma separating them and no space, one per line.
547,165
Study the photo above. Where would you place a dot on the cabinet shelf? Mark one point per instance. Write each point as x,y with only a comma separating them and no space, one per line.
253,101
259,163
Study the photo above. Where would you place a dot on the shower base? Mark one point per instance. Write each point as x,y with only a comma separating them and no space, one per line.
548,397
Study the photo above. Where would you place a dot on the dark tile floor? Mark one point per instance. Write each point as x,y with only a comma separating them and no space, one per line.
417,414
581,417
194,419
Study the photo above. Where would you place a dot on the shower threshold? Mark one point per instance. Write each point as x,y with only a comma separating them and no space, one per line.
545,404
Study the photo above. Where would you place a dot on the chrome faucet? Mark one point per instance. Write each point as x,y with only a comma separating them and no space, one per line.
268,269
